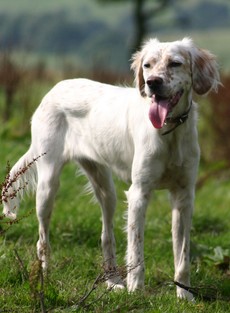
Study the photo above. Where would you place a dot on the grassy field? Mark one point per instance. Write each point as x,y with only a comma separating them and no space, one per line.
76,255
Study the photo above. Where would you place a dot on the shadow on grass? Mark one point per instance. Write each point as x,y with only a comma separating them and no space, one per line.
209,224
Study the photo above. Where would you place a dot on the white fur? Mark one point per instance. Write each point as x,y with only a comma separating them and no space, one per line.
106,129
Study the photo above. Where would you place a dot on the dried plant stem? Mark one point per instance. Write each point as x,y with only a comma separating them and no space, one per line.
24,271
207,293
93,287
41,292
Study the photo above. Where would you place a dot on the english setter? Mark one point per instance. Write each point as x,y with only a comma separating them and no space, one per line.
146,135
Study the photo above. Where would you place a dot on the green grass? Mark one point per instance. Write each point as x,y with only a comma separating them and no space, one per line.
76,254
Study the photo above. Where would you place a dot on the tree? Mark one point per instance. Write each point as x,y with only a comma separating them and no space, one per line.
142,16
10,77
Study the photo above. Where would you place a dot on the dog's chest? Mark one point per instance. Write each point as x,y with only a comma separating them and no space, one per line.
175,161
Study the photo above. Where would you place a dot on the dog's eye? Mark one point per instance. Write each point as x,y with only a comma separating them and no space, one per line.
175,64
146,65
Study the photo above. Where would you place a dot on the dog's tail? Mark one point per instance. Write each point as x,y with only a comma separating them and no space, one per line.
22,177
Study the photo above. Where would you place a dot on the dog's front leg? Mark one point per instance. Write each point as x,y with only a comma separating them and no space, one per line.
137,203
182,208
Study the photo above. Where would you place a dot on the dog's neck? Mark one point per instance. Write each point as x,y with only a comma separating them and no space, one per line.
179,119
176,121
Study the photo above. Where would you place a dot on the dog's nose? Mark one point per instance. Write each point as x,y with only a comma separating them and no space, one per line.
154,82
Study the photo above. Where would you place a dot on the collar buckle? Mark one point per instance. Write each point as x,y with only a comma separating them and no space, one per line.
177,121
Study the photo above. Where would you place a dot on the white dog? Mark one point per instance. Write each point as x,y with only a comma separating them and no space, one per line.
146,135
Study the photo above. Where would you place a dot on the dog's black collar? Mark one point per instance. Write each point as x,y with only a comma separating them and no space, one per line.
177,121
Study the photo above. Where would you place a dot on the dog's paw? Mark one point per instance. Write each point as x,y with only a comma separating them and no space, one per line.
115,283
185,295
133,283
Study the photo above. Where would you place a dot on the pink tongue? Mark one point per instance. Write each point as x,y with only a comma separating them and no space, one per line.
158,112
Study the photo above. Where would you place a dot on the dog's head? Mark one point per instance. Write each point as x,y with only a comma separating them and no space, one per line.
167,72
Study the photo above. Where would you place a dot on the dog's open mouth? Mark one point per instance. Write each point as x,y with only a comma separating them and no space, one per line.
161,107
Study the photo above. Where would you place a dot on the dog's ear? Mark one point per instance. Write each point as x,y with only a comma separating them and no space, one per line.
204,71
136,66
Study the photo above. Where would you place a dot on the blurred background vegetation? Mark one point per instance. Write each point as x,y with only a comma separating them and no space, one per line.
44,42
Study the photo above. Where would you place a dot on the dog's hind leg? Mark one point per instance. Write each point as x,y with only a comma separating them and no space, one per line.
100,178
48,183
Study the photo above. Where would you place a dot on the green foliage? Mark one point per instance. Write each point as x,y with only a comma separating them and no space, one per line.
76,259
